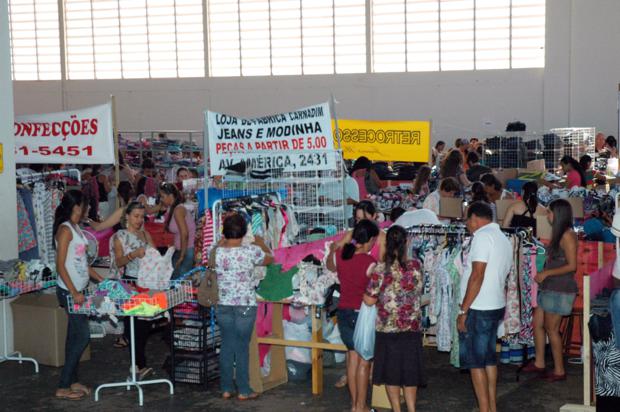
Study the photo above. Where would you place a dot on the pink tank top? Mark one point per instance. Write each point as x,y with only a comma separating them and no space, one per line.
191,230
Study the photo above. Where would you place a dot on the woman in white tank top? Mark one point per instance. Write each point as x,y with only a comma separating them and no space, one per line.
73,277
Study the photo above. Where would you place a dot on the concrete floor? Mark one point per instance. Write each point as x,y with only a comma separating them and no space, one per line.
448,389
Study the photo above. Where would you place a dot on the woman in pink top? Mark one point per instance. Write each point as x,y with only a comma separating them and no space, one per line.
575,175
180,222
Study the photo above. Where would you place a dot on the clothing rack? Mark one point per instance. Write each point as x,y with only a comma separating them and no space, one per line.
35,177
220,206
456,229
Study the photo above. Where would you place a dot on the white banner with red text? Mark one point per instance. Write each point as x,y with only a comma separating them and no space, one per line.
82,136
292,142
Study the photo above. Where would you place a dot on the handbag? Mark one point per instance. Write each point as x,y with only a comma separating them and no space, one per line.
208,294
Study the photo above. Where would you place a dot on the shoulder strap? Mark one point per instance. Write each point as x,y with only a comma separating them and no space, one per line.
211,263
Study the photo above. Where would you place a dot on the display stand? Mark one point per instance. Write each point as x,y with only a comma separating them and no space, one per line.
24,288
179,292
278,375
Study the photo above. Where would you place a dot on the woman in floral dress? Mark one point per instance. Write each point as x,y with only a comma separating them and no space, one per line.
396,287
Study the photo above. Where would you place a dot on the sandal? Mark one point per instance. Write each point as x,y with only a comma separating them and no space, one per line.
78,387
69,395
143,373
249,397
342,382
121,342
227,395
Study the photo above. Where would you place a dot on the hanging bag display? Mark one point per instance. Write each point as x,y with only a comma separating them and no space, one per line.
208,293
364,334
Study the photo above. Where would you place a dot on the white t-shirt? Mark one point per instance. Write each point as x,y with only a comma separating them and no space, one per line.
351,190
432,202
491,246
417,217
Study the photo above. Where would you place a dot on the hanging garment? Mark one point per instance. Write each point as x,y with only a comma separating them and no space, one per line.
445,290
26,238
26,196
277,285
455,270
526,334
512,316
44,217
155,270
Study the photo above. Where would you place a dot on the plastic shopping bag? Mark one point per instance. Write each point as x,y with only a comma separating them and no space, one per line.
364,335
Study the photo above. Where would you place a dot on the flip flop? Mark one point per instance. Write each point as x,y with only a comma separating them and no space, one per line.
70,396
143,373
78,387
227,395
121,343
342,382
249,397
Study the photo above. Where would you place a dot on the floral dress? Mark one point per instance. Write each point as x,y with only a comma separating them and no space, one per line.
398,292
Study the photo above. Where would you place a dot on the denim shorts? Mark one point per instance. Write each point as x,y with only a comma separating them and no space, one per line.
346,326
477,345
556,302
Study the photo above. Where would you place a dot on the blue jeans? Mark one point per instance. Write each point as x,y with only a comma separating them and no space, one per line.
186,265
614,309
347,318
78,338
477,345
236,325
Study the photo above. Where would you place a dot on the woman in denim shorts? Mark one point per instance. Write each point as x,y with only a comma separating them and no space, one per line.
557,290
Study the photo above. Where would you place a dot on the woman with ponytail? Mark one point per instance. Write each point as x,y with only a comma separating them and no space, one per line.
396,288
181,223
575,175
73,278
352,263
523,214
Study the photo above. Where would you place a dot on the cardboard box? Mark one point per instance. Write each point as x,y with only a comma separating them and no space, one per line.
538,164
502,206
380,399
451,207
577,205
543,228
40,328
505,174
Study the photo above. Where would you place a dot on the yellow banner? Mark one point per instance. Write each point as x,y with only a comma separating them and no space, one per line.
390,141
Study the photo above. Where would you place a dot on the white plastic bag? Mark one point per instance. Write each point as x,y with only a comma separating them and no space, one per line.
364,335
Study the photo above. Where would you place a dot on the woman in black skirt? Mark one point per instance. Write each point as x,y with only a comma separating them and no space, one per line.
396,287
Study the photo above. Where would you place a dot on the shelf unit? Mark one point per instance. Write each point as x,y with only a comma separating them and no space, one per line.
195,345
135,144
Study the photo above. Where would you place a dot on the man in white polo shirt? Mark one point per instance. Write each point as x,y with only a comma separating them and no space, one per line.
484,299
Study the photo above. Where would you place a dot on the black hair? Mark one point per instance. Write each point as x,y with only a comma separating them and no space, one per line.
489,179
480,209
170,189
141,186
63,212
449,184
451,165
424,173
562,221
530,195
439,143
478,193
361,163
568,160
131,206
611,141
395,247
367,206
148,164
182,168
234,227
95,169
125,191
585,162
458,142
396,213
121,159
473,158
363,232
